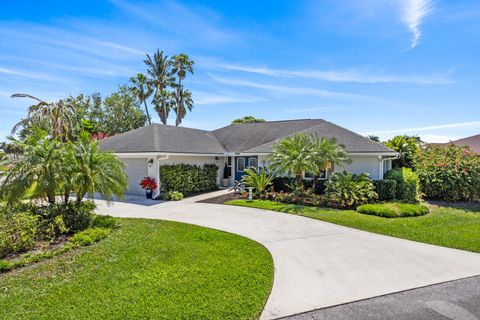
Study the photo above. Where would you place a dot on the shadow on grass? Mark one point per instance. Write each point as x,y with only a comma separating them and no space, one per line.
467,206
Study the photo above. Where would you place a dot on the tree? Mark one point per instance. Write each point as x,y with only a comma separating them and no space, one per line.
161,79
374,138
293,155
142,91
327,153
181,65
407,147
248,119
121,112
57,118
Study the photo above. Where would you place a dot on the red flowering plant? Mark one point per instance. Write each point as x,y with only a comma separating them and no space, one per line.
148,183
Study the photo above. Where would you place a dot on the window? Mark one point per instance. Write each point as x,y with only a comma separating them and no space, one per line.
240,164
308,175
252,162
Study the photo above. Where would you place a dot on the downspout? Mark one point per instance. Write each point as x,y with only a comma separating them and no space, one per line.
385,159
157,177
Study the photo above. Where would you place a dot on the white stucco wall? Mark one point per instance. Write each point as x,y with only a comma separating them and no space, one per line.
361,164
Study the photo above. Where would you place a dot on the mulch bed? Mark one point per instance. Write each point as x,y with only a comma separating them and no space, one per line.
222,199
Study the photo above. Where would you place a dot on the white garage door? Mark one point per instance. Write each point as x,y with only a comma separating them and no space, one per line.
136,170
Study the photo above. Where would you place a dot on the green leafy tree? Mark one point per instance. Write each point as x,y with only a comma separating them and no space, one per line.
161,79
142,91
327,153
248,119
181,65
293,155
407,147
257,179
121,112
348,190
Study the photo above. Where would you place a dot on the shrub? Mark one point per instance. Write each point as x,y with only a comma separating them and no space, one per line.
18,233
393,210
386,189
346,190
259,180
106,222
188,179
89,236
299,197
174,196
284,184
450,174
407,187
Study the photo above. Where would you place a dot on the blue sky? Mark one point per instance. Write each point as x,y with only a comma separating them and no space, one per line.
376,67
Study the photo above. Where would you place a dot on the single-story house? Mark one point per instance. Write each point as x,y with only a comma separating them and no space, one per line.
145,150
473,142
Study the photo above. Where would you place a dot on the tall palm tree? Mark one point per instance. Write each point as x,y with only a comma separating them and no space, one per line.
293,155
327,153
57,118
161,79
181,65
142,91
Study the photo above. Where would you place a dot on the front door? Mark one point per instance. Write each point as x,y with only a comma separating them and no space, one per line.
242,163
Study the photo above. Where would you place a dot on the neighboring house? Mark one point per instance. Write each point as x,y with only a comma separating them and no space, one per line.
473,142
240,146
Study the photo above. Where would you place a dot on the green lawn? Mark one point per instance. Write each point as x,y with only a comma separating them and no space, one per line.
445,226
147,269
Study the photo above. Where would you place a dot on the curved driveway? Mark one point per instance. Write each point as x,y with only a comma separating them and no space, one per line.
318,264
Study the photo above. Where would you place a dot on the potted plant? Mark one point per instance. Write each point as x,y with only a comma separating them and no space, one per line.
226,175
148,184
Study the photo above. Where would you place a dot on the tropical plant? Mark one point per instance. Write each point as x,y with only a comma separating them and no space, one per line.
407,185
56,118
374,138
160,80
449,173
293,155
257,179
407,147
347,190
181,65
248,119
142,91
148,183
326,154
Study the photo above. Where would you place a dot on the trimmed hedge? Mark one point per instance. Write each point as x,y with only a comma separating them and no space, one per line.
188,179
386,189
407,188
393,210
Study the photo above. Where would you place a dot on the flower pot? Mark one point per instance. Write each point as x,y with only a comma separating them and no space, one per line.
225,182
149,194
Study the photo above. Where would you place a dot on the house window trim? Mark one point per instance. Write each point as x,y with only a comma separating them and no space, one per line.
319,178
244,162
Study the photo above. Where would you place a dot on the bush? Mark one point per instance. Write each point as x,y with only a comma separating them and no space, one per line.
299,197
450,174
174,196
188,179
393,210
346,190
106,222
386,189
89,236
284,184
18,233
407,187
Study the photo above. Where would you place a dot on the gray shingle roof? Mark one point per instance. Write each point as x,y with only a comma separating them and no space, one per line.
238,138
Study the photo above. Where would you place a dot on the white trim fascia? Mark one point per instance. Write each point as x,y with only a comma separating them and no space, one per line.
154,154
373,153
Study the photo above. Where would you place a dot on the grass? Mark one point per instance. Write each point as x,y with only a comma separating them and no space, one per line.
444,225
147,269
393,209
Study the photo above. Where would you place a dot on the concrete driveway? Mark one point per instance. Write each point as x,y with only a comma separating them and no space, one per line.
318,264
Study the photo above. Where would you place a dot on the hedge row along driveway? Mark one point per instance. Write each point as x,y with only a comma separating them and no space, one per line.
147,269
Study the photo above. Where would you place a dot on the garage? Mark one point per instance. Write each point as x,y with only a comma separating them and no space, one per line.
136,169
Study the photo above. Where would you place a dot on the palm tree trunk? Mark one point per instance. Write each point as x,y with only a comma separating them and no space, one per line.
298,179
66,195
179,103
148,113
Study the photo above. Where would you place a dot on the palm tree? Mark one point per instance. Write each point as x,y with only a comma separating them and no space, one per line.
142,91
93,171
374,138
293,155
257,179
181,65
327,153
161,79
58,118
406,146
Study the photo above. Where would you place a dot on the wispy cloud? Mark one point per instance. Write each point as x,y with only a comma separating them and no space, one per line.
342,76
203,98
30,74
471,124
413,13
311,109
284,90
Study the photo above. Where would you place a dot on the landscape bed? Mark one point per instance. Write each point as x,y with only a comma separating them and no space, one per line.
445,225
145,269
